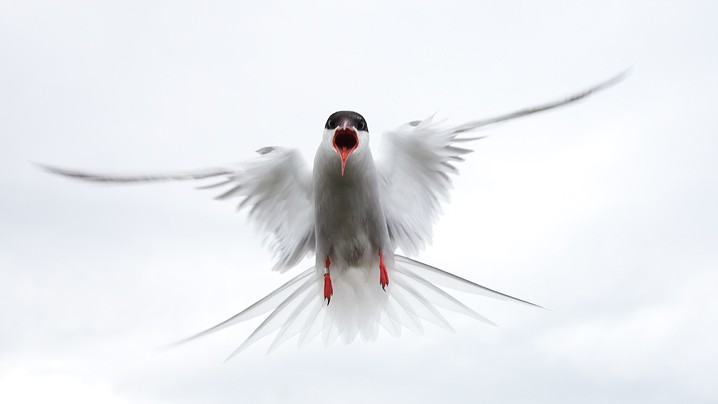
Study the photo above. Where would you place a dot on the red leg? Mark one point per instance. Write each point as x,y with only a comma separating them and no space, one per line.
328,291
383,277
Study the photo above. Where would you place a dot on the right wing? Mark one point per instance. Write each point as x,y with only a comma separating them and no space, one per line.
418,159
276,186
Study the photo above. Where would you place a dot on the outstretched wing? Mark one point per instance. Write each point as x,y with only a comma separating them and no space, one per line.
417,161
276,187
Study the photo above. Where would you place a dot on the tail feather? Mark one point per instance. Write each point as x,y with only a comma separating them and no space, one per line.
330,331
412,321
279,316
389,319
441,298
431,313
293,325
312,327
415,295
260,307
451,281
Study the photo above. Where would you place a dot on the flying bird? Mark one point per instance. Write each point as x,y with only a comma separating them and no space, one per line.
353,213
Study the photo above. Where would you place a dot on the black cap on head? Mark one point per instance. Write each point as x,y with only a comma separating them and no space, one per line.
354,119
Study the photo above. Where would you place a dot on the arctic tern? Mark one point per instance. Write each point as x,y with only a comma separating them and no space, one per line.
353,213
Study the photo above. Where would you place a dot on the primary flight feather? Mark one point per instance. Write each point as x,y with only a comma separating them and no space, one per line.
353,212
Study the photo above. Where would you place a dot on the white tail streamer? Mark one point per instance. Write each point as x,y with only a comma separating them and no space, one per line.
359,306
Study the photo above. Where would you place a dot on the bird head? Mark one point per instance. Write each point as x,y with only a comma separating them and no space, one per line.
347,131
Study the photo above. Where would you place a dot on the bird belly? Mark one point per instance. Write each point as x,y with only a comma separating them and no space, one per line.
351,226
353,250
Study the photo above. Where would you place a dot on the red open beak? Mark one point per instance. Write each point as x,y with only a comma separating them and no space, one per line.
345,142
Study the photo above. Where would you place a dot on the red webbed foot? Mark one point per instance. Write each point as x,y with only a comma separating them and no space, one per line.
383,276
328,290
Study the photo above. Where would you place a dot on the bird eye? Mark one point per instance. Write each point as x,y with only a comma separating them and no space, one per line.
361,125
330,124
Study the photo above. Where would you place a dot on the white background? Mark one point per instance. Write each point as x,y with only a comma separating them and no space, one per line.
603,212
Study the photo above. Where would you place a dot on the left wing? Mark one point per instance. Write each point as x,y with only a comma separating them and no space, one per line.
417,160
276,186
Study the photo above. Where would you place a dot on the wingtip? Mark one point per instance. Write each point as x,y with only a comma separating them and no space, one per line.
55,170
624,73
615,79
44,167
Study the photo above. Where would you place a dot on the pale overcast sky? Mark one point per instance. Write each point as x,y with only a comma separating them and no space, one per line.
604,212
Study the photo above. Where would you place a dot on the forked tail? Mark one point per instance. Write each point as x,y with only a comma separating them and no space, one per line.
415,296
